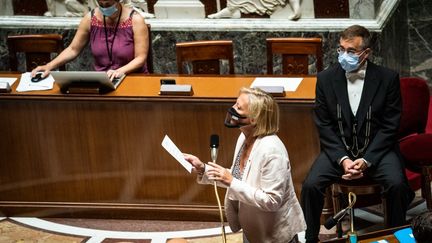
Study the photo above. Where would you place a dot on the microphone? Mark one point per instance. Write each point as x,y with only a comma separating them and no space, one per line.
332,221
214,144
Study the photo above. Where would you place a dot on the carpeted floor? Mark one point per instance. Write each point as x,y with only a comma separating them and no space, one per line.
29,230
109,231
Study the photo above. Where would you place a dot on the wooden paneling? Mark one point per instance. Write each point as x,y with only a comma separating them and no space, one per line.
87,155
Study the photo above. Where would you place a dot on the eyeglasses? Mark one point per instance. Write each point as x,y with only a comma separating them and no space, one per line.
349,51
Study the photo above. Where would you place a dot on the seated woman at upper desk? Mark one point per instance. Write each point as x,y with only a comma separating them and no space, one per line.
118,38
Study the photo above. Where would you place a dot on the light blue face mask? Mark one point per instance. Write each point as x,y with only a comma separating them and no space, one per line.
108,11
349,62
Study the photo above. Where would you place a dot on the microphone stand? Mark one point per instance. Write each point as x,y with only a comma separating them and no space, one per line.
339,225
213,157
335,220
352,235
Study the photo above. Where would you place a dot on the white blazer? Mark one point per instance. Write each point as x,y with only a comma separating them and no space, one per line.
264,203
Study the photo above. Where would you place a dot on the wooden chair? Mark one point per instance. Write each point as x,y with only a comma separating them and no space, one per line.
367,191
37,49
149,60
205,56
295,54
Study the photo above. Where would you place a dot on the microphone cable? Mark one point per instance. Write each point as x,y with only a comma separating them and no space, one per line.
334,220
214,144
352,198
220,211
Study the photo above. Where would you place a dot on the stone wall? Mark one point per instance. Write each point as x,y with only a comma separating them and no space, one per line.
420,38
392,44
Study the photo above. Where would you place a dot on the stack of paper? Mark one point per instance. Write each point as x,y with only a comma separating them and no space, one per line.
26,84
10,81
289,84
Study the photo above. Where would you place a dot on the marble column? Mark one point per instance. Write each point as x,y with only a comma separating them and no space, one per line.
179,9
420,39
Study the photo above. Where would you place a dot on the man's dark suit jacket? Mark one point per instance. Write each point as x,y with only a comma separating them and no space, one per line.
381,91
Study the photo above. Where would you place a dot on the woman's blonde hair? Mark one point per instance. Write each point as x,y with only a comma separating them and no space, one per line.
263,111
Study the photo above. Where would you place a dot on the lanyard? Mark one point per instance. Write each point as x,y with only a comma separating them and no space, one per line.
109,50
354,149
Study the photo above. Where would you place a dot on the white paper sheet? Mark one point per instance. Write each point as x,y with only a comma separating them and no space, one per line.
289,84
8,80
172,149
26,84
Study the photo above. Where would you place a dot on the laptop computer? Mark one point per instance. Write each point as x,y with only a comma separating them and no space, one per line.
85,81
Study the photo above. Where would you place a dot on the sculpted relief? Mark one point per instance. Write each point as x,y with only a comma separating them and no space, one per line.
291,9
235,8
78,8
68,8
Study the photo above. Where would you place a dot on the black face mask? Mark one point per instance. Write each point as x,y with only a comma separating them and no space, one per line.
233,119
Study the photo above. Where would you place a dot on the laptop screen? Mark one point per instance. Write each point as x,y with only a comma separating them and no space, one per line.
85,80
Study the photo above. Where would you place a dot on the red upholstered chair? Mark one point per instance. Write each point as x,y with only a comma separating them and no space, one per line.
415,144
429,123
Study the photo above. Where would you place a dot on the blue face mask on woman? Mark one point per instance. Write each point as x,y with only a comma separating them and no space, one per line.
349,62
109,11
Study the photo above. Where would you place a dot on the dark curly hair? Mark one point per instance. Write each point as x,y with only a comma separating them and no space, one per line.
422,227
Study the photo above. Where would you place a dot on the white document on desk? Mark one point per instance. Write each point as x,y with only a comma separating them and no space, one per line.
289,84
172,149
10,81
26,84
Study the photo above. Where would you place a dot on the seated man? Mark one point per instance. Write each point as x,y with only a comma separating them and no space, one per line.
357,113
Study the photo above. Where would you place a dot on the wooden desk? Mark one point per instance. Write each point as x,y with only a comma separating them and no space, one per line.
101,155
385,234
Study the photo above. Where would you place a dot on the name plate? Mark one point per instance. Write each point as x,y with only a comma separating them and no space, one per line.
276,91
5,87
176,89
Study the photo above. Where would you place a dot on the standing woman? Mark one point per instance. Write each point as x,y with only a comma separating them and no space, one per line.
118,39
260,198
